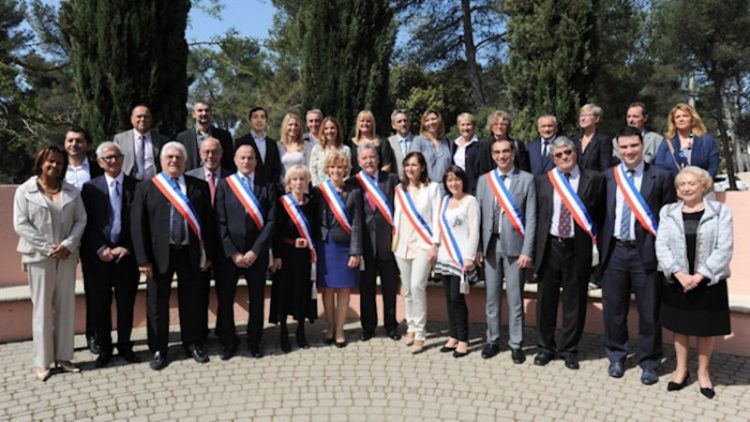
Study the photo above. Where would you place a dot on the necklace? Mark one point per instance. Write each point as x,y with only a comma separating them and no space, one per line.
48,190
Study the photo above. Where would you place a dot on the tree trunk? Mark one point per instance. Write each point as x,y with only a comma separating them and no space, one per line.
726,142
471,55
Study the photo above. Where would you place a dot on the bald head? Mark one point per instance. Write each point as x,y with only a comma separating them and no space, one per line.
211,153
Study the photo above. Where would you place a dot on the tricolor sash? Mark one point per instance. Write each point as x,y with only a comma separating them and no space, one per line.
247,198
405,205
447,237
577,209
635,200
182,204
303,229
505,199
336,205
376,195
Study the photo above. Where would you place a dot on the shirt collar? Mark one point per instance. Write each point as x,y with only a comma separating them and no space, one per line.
84,166
473,139
119,178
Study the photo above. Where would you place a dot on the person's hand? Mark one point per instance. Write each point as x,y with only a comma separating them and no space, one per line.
525,261
59,252
146,269
250,258
276,265
686,280
432,254
206,266
239,260
480,259
105,255
353,261
468,265
118,253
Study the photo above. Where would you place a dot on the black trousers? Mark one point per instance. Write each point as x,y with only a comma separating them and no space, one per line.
625,274
386,268
103,278
558,271
458,312
88,265
192,294
227,275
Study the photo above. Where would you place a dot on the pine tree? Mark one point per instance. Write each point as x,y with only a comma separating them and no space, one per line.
128,52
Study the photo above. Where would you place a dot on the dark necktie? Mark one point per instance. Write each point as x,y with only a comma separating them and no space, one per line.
496,211
545,149
141,158
563,225
625,215
176,221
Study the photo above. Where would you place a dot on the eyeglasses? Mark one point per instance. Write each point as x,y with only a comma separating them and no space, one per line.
111,157
566,153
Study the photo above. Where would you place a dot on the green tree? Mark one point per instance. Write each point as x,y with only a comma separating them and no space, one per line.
346,49
125,53
551,60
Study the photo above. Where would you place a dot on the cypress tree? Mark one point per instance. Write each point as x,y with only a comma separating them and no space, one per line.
127,52
346,50
550,60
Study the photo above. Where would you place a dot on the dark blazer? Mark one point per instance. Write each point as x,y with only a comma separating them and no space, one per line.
473,151
539,165
270,169
189,138
94,169
598,154
486,163
237,230
704,154
657,189
353,204
95,195
591,190
149,219
377,234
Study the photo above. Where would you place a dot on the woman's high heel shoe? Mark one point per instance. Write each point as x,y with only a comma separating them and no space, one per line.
676,386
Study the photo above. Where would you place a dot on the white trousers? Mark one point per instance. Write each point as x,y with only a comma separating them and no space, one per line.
414,275
52,284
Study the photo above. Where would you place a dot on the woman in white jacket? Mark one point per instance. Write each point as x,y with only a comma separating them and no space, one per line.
694,247
416,201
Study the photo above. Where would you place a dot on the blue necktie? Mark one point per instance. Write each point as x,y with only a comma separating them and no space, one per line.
176,221
114,203
625,217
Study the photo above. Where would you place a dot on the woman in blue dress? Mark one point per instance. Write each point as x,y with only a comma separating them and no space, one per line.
340,248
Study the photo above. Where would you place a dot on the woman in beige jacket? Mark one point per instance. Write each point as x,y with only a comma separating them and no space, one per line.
49,217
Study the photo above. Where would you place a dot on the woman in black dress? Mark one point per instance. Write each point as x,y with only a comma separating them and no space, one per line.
293,246
694,247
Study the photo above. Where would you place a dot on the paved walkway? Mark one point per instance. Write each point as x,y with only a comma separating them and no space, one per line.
377,380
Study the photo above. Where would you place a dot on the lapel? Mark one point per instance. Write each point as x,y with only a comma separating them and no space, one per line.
193,148
101,184
611,196
583,185
647,184
129,145
515,184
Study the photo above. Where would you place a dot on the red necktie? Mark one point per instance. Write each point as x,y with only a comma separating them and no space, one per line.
211,187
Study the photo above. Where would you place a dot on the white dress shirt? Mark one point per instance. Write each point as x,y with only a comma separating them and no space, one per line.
77,176
554,229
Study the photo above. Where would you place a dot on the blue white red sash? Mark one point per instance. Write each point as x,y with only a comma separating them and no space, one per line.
405,205
247,198
376,195
336,205
635,200
181,203
575,206
303,228
505,199
447,237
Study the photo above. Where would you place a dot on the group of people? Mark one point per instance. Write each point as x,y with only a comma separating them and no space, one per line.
321,213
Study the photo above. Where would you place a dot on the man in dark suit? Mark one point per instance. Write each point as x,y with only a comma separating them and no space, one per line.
80,170
629,258
107,254
499,126
540,160
140,145
245,241
564,250
193,137
379,259
268,161
166,240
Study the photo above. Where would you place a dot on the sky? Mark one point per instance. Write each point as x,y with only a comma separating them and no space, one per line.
251,18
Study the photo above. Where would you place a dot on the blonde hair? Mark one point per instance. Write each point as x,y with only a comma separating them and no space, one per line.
704,178
441,125
336,157
698,127
493,118
592,108
295,171
467,116
283,138
365,114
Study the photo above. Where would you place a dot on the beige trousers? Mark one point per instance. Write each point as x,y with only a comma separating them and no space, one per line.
414,275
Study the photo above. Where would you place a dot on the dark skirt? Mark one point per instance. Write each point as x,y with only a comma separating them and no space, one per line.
291,293
703,311
333,271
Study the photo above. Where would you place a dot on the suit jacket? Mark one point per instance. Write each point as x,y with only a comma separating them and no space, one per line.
352,199
704,154
472,165
591,191
149,219
377,233
189,138
238,232
598,154
539,164
126,142
200,173
397,166
94,169
657,189
486,163
651,142
95,195
524,194
269,169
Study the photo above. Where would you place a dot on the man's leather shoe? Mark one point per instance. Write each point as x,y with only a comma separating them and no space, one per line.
92,345
227,352
616,370
256,352
394,335
284,344
571,362
544,357
197,353
365,336
490,350
103,359
158,361
649,377
518,355
128,355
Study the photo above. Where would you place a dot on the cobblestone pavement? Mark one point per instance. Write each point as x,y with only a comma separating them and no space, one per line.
376,380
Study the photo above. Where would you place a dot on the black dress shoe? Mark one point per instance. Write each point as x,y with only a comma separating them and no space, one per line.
328,341
394,335
103,359
128,355
197,353
340,344
228,352
302,341
571,362
284,344
490,350
544,357
365,336
446,349
677,386
518,356
708,392
93,345
616,370
158,361
256,352
457,354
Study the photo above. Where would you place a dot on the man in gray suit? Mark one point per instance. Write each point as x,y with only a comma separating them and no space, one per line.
637,117
507,244
140,146
401,141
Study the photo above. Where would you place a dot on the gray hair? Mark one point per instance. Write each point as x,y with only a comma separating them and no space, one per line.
562,141
592,108
314,111
403,111
105,145
367,146
173,144
547,116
